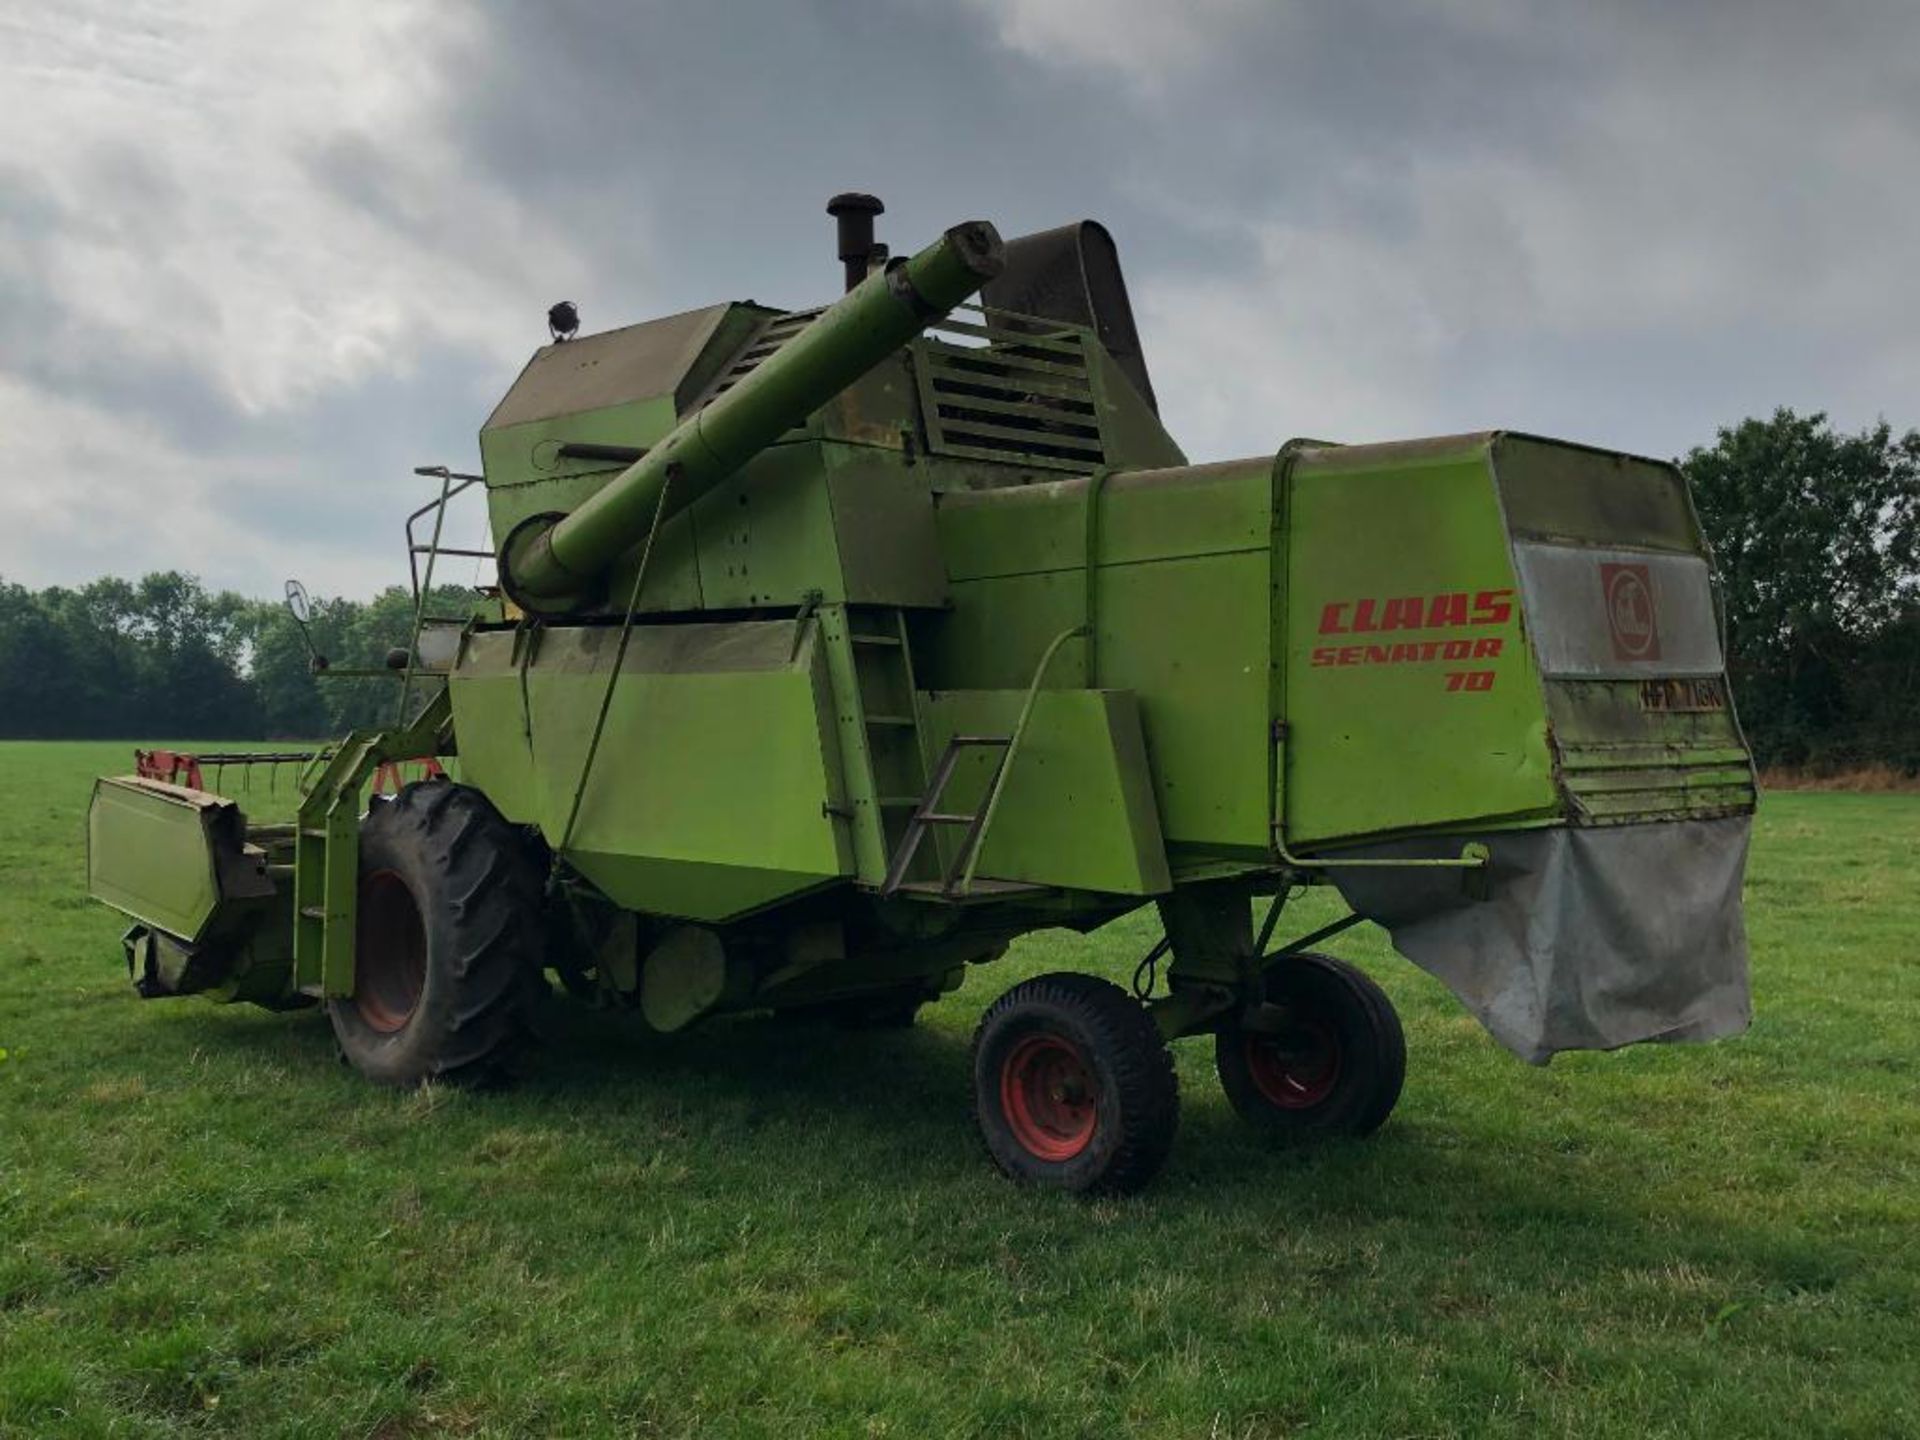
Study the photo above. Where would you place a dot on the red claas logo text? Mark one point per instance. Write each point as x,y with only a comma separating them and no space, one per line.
1451,610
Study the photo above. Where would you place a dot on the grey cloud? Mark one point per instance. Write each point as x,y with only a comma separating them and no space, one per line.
1623,222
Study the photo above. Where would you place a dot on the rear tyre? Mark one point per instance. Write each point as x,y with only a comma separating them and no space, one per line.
1073,1086
448,945
1336,1065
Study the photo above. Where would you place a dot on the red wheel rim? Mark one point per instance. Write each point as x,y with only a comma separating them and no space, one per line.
1047,1096
1298,1069
390,953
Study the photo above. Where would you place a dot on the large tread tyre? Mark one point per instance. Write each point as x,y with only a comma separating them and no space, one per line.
1073,1086
1335,1069
448,948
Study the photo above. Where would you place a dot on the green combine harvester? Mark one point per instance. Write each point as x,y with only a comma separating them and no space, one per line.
836,649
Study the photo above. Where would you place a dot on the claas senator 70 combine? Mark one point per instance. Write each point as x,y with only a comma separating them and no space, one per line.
839,648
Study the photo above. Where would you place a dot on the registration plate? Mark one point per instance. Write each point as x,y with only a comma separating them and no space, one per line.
1683,697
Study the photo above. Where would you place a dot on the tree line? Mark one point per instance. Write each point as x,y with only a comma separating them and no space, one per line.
163,657
1816,534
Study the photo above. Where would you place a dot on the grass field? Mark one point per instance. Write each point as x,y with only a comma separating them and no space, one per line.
208,1226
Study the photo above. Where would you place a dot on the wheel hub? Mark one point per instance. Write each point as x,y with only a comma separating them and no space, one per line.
390,953
1047,1096
1297,1068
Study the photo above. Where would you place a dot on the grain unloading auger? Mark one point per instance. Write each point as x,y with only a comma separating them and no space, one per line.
848,645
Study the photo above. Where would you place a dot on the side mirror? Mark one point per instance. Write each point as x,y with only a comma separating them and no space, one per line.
300,607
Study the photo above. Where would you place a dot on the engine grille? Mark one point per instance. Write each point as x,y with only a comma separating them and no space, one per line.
770,337
1007,387
1000,387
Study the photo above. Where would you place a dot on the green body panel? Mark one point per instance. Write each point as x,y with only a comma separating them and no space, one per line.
1077,809
1180,609
888,550
1203,690
490,717
773,533
1382,732
527,454
150,853
765,536
713,791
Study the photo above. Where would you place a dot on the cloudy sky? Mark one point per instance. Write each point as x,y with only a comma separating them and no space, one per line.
257,260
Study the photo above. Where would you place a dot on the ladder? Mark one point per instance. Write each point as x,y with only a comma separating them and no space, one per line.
927,814
884,757
326,869
957,881
326,848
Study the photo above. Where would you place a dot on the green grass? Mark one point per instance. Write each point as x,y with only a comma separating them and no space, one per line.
206,1225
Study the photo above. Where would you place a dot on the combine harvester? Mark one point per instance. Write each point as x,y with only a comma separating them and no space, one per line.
839,648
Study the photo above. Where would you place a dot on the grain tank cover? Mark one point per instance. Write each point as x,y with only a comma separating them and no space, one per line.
624,389
649,361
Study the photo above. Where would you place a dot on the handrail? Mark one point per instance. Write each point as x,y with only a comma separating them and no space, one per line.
423,585
1473,856
979,836
613,675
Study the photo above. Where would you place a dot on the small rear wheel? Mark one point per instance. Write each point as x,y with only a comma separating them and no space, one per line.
1333,1065
448,940
1073,1086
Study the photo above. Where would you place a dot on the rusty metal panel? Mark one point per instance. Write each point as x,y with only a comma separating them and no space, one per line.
1644,749
1556,490
1628,613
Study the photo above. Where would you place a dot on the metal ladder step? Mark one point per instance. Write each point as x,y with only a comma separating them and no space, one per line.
927,814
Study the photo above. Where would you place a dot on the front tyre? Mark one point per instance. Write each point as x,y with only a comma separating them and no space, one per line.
1333,1063
1073,1086
448,940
